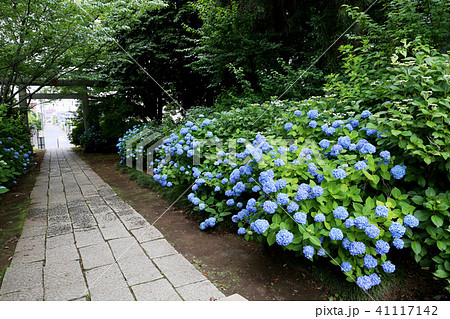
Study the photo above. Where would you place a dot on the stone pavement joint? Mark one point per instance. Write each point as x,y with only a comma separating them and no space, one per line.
80,241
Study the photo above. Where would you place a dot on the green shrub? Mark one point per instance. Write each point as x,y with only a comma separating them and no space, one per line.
15,150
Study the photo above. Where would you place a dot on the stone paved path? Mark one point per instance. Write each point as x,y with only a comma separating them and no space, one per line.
82,242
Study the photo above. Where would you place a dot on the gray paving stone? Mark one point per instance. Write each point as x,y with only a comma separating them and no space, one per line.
158,290
145,234
178,270
114,231
19,278
32,232
100,210
158,248
30,243
88,190
133,262
37,213
134,221
96,256
88,236
105,192
61,254
64,281
34,294
74,201
95,200
117,204
107,283
59,229
200,291
83,218
21,258
60,241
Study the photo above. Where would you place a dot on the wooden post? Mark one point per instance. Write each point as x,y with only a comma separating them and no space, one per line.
23,106
85,106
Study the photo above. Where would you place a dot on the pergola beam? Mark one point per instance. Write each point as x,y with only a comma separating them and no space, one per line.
56,96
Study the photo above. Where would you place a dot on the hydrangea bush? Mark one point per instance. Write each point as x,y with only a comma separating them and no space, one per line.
15,151
325,190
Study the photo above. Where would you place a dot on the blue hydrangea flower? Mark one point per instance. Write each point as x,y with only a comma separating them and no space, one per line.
375,279
381,211
319,218
312,169
293,148
370,262
346,266
368,148
357,248
372,231
196,201
270,207
388,267
349,127
297,112
260,226
203,226
364,282
217,189
288,126
230,202
344,141
336,234
397,230
382,247
317,191
242,231
280,184
320,178
308,251
201,206
278,162
324,144
292,207
398,243
340,212
366,113
330,131
385,155
281,150
354,123
337,123
360,165
256,189
300,218
410,221
361,222
312,124
339,173
284,237
312,114
229,193
336,150
349,222
398,171
346,243
210,222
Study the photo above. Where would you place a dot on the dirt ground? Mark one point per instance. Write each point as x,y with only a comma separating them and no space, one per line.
13,211
251,269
